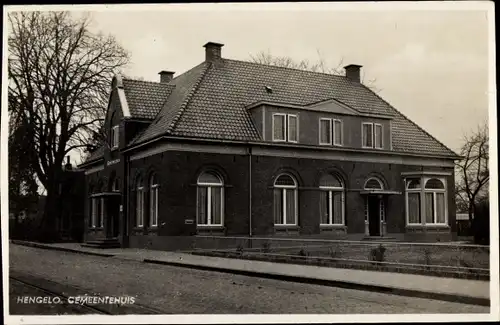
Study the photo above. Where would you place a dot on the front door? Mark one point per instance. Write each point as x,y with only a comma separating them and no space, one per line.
374,215
113,205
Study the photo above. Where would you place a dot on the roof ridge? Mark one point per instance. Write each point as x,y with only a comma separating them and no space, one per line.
146,81
187,99
287,68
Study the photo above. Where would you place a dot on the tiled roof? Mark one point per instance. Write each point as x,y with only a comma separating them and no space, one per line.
145,98
173,107
97,154
210,100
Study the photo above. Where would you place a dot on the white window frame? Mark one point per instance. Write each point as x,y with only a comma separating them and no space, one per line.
296,128
434,192
376,179
115,137
407,192
209,187
101,220
283,115
422,191
139,209
330,190
363,134
334,128
93,216
284,189
153,209
375,125
329,120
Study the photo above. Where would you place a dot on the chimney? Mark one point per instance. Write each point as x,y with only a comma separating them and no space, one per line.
352,72
166,76
212,51
68,164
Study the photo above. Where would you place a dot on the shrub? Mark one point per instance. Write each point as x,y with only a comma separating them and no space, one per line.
427,257
377,254
266,247
334,252
481,223
302,252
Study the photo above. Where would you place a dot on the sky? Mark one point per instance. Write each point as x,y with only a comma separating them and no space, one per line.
431,64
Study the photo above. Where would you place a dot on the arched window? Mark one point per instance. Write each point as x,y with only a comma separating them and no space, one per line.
153,200
413,190
435,205
210,203
139,214
427,205
331,200
285,200
374,183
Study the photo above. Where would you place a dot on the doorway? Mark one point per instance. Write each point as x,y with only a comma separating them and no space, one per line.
374,215
113,215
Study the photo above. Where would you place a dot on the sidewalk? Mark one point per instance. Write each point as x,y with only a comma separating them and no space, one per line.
440,288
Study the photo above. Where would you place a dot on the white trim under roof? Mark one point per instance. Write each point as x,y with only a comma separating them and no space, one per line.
430,173
94,169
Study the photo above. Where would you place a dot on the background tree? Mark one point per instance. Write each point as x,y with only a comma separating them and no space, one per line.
319,65
59,79
473,172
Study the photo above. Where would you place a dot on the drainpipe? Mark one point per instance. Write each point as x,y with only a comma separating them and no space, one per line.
250,193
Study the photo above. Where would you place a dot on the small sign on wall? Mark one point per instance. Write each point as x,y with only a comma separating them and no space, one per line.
188,221
121,207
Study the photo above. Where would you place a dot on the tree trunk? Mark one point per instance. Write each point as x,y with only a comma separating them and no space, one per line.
49,227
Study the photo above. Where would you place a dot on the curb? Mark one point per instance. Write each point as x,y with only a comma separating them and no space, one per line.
55,248
336,283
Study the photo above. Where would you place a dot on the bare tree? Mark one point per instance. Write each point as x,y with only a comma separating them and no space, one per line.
473,172
59,76
319,65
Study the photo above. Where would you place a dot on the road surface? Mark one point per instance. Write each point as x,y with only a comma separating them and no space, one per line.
179,290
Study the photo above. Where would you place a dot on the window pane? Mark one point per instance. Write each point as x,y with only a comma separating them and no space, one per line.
434,184
285,180
290,207
328,180
202,205
440,207
337,208
209,178
413,183
338,132
378,136
368,135
324,207
325,131
154,207
278,206
414,207
279,127
373,184
216,195
292,128
429,207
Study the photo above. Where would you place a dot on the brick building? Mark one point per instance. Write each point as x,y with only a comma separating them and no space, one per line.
233,148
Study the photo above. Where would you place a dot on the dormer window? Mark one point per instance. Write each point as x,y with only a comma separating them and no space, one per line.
330,131
285,128
372,135
115,137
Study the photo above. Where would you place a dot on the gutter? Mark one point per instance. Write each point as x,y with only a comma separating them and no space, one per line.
250,191
279,145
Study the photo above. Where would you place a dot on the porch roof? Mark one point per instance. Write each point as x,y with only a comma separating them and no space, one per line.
105,194
381,192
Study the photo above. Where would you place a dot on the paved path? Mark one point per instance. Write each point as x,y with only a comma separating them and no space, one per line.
409,284
181,290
